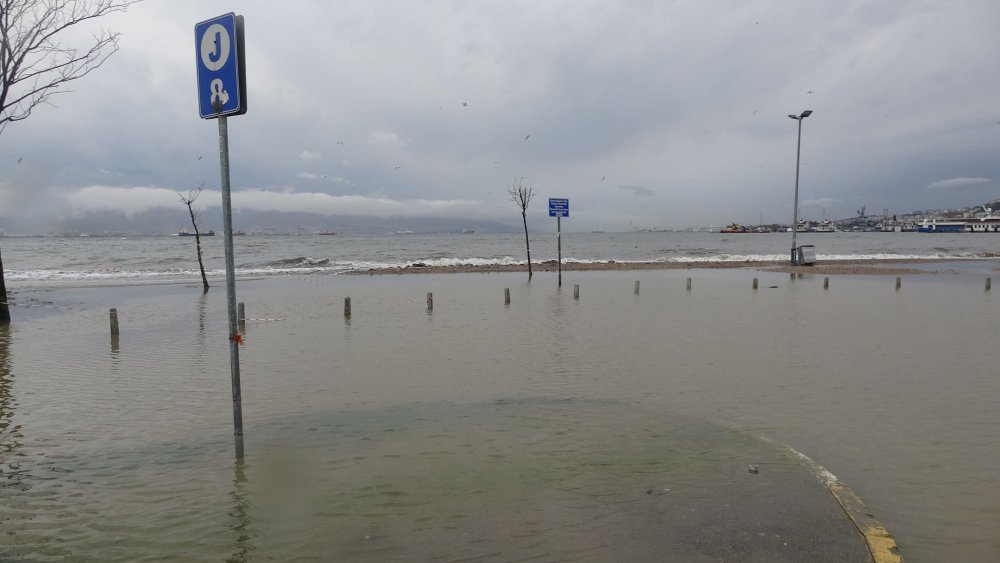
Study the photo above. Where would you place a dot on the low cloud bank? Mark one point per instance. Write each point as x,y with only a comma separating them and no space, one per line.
133,200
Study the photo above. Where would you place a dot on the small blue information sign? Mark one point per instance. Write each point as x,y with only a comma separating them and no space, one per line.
558,207
221,69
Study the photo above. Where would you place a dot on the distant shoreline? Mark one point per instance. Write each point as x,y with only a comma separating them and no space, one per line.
884,267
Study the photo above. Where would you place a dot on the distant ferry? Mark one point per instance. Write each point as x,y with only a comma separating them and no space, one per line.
824,226
327,233
186,233
983,225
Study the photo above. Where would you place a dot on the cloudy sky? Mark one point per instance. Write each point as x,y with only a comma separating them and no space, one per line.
648,113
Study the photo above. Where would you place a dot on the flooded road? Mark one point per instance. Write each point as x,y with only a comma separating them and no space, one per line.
403,421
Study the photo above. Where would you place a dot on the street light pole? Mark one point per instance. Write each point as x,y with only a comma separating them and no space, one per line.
798,154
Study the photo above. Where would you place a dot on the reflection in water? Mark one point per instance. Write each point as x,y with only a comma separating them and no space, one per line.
200,342
10,436
202,311
241,514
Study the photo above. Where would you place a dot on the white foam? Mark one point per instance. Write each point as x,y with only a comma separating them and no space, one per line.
311,266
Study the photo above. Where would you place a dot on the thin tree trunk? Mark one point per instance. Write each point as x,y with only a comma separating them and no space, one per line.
4,310
201,265
527,243
197,244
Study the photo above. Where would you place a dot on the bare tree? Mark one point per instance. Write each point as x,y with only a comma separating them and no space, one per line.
521,195
189,200
35,64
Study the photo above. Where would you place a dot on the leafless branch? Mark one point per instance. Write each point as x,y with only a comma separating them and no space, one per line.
188,200
34,63
520,194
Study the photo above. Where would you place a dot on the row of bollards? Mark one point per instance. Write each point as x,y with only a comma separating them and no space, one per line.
241,311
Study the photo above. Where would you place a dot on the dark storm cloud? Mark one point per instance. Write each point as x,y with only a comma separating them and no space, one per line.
415,106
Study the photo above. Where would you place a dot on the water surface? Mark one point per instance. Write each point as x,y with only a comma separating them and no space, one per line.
403,423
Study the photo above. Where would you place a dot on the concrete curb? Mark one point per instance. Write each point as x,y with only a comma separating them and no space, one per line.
881,545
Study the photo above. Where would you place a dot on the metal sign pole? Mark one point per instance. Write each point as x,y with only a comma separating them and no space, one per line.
559,244
219,46
234,337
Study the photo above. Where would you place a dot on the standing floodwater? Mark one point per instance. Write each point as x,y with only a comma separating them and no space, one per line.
402,428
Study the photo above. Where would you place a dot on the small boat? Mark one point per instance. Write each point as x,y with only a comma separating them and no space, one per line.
735,228
327,232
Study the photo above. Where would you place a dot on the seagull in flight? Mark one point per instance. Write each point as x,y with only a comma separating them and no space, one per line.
20,158
397,167
603,177
200,157
340,142
810,92
465,104
526,137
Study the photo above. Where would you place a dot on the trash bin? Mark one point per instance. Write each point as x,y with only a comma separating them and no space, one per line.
807,255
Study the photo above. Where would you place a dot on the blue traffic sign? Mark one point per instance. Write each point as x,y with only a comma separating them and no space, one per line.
558,207
221,69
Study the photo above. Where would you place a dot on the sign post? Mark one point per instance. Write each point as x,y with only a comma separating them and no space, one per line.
221,92
559,208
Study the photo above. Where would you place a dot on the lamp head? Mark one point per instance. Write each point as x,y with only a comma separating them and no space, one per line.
806,113
793,116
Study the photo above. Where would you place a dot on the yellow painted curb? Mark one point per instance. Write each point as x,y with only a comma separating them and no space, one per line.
881,545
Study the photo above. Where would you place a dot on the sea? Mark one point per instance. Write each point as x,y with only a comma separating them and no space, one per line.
89,259
441,422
